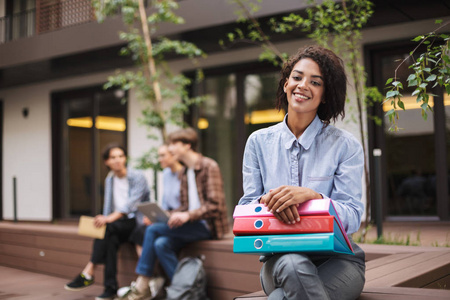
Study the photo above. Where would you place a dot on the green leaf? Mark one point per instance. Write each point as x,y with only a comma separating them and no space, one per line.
390,112
416,91
438,21
389,81
401,104
412,83
391,94
411,77
432,77
397,84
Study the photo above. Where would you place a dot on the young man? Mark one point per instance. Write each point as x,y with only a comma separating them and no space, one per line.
125,188
201,215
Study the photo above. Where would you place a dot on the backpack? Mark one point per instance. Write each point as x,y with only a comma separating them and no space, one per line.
189,281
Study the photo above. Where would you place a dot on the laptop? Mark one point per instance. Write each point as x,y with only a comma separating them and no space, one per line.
152,211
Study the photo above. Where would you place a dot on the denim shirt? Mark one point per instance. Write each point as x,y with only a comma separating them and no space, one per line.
327,160
171,190
138,191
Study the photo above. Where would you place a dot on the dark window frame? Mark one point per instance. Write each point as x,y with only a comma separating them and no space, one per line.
372,62
240,71
58,186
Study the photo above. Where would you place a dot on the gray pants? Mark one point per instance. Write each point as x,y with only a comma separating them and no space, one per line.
295,276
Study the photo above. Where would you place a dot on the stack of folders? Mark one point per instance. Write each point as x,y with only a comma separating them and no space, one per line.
319,231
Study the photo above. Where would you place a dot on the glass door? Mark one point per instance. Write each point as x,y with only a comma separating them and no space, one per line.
86,122
415,166
411,165
237,104
218,128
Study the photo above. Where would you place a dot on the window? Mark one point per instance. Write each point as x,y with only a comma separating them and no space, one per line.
415,158
84,122
19,21
237,104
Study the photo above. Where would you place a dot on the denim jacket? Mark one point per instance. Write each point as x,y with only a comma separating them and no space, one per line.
138,191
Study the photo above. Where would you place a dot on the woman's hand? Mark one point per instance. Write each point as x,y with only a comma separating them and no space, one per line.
177,219
289,215
283,201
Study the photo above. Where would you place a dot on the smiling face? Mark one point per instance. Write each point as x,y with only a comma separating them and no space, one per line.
304,89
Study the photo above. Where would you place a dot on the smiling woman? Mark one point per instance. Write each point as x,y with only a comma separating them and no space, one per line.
304,158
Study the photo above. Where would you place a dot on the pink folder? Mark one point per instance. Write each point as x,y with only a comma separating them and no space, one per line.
271,225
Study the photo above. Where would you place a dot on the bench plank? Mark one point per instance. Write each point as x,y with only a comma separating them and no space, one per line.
231,280
415,271
379,294
385,260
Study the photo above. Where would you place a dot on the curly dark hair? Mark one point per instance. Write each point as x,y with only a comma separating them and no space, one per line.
335,81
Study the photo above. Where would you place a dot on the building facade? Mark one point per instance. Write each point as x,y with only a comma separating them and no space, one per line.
56,117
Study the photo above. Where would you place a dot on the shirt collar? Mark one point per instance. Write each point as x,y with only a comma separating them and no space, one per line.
306,139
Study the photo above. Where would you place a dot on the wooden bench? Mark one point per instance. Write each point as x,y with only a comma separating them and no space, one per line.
59,250
400,272
396,293
56,250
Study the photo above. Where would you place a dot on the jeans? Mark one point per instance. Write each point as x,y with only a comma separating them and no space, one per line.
163,243
105,250
295,276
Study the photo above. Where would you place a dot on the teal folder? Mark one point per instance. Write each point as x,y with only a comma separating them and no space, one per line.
312,243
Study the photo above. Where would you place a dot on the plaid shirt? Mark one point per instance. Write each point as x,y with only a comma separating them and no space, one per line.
210,192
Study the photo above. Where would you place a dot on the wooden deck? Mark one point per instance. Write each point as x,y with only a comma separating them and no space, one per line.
404,272
400,272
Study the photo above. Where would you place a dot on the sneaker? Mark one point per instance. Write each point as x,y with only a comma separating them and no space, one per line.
156,285
79,283
134,294
125,290
108,294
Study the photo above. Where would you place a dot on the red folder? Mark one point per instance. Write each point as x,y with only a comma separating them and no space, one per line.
271,225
